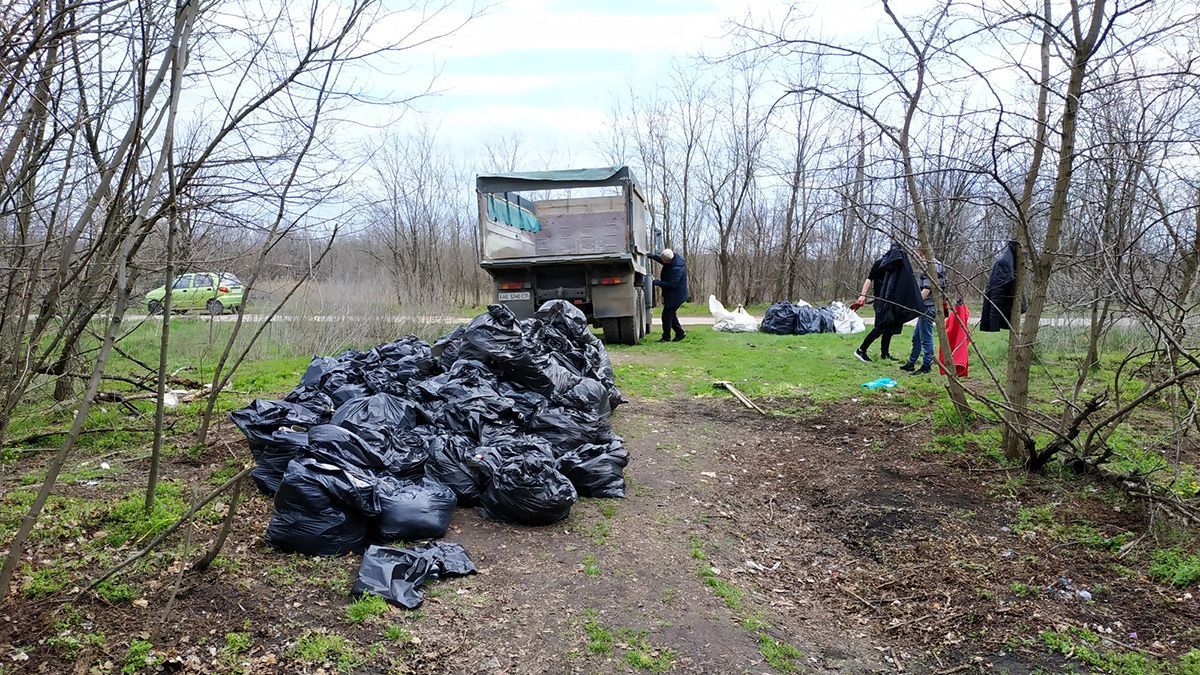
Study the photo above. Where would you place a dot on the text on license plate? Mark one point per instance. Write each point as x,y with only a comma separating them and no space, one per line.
519,295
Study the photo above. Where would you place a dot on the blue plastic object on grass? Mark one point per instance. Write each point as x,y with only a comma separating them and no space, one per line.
881,383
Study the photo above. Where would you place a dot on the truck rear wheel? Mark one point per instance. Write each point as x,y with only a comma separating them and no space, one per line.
620,331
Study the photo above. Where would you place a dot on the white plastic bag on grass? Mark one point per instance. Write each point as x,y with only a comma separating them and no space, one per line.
846,320
737,321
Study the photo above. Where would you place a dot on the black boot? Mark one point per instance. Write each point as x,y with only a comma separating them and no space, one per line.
678,337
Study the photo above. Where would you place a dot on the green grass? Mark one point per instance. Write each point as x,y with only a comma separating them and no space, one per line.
590,568
820,367
641,655
780,655
1175,567
598,532
43,582
129,523
599,638
117,593
366,607
753,622
137,658
237,644
1023,590
728,593
1089,649
398,633
316,648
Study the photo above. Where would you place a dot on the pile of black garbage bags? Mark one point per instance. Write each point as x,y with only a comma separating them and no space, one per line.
380,446
786,318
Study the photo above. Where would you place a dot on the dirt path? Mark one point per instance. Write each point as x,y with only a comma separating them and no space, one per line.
823,543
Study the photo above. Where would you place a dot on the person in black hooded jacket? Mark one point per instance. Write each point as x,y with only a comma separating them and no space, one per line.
897,299
1001,291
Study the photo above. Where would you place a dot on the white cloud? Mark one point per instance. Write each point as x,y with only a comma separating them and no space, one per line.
489,85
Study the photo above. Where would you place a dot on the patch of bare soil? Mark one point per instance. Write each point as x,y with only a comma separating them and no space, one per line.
835,533
938,564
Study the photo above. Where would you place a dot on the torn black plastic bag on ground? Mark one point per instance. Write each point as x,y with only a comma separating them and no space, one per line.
396,575
528,491
596,470
341,447
411,511
321,509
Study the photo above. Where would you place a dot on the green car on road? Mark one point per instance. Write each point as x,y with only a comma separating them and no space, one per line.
213,292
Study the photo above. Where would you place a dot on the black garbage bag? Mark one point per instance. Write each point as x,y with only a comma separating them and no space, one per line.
341,447
316,371
503,448
259,420
453,462
313,399
588,395
335,376
411,511
525,403
565,429
780,319
393,376
596,470
468,404
528,491
814,320
348,392
396,574
321,509
499,341
379,410
272,458
565,319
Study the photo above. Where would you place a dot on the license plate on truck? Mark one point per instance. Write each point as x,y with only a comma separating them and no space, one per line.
518,295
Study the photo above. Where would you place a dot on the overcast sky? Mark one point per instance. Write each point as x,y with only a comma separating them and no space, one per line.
550,70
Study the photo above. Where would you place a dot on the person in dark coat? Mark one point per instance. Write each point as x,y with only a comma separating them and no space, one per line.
1001,291
897,299
673,282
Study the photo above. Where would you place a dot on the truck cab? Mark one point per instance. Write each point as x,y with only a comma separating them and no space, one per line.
580,235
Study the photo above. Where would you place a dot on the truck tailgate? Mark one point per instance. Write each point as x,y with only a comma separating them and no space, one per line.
537,261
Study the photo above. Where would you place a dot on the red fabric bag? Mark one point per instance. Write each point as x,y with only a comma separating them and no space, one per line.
959,335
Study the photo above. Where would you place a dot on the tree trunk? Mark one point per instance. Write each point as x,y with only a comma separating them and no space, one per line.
1023,337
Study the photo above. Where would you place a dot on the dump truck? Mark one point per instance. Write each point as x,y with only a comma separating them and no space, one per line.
580,235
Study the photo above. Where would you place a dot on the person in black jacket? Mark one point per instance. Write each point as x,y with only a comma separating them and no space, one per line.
897,299
1001,291
673,282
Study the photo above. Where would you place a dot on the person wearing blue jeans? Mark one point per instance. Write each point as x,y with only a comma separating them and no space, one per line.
922,339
